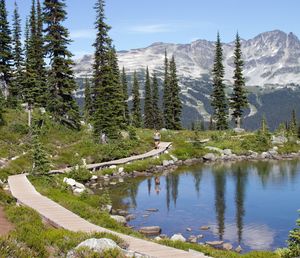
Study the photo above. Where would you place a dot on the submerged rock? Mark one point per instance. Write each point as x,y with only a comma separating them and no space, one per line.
204,227
214,243
209,157
239,249
227,246
153,230
119,219
152,210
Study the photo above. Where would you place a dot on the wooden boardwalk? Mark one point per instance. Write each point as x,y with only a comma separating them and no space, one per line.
163,146
59,216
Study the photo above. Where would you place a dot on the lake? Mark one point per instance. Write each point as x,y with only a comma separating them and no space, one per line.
252,204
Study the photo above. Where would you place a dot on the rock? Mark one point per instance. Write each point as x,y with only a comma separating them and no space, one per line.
273,153
130,217
97,245
165,163
79,185
78,191
227,246
121,180
279,140
204,227
107,208
113,183
275,148
209,157
152,210
153,230
239,249
158,238
124,134
239,130
163,236
163,130
145,215
227,152
113,166
265,155
69,181
94,177
120,170
178,237
214,243
174,158
123,213
192,239
188,229
119,219
171,162
200,236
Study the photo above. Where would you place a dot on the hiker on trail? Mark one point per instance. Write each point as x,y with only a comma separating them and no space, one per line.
156,139
103,138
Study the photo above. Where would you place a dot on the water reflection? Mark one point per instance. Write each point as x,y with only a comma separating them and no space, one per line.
236,200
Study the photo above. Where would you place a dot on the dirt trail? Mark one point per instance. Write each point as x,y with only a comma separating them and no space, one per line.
5,225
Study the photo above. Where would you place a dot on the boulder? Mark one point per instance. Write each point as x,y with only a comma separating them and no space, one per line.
107,208
209,157
79,185
238,249
153,230
227,152
178,237
94,177
113,166
165,163
120,170
69,181
78,191
200,236
97,245
214,149
119,219
279,140
174,158
192,239
188,229
130,217
227,246
158,238
204,227
239,130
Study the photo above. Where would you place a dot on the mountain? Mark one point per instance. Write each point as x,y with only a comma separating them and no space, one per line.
272,67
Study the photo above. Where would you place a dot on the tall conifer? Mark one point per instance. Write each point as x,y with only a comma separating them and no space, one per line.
18,60
136,106
238,98
2,105
148,107
219,100
175,105
5,51
157,115
87,98
166,96
61,80
125,94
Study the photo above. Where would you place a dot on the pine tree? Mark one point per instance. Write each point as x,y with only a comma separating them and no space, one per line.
39,57
17,52
166,97
2,105
293,124
107,93
5,51
61,80
148,107
41,164
219,100
157,115
87,98
211,125
125,94
136,107
264,126
175,102
239,99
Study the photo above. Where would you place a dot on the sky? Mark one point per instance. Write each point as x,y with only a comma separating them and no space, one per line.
139,23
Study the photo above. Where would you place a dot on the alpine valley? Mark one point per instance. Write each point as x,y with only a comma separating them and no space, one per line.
272,72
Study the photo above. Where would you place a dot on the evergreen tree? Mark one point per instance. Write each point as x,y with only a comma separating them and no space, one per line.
41,164
175,102
17,52
87,99
211,125
239,99
5,51
61,80
136,107
166,98
2,105
125,94
219,100
148,107
293,124
107,92
157,115
264,129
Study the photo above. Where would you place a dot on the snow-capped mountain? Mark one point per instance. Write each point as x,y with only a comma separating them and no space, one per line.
270,58
272,71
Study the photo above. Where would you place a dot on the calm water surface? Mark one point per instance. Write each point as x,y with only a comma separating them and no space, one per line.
253,204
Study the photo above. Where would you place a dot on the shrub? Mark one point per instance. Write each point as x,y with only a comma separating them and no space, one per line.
19,128
81,174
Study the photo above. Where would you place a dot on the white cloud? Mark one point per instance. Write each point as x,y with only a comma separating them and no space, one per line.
150,28
83,34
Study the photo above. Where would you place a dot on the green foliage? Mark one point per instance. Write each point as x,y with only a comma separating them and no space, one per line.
41,164
238,99
157,115
2,102
219,100
80,174
87,99
167,90
258,142
125,94
61,82
148,107
136,106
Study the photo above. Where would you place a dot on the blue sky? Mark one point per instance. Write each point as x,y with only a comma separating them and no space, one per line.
139,23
